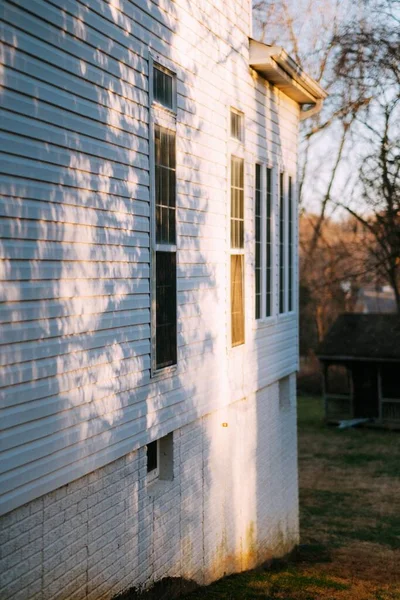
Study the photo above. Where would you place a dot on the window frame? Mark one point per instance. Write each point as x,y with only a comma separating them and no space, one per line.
287,311
161,116
164,471
157,64
237,153
265,319
154,474
240,114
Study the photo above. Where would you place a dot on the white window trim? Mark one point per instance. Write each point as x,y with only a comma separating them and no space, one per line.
165,117
155,60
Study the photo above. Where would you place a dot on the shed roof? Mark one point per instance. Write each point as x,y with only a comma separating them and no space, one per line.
363,336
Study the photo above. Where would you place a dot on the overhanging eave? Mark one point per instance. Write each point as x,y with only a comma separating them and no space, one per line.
277,67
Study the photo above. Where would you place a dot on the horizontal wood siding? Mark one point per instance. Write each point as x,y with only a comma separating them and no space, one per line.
76,391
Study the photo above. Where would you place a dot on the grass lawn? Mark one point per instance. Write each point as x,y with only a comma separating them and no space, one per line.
350,520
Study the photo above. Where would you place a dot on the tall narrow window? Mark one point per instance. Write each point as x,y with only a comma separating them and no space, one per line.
258,247
269,246
237,250
282,243
290,244
165,257
264,249
165,309
165,185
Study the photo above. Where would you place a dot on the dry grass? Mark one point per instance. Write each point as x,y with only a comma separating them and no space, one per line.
350,520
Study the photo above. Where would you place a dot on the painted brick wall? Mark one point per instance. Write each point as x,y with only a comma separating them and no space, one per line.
232,504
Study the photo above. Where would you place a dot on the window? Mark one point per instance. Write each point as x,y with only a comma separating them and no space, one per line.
282,243
290,244
284,393
264,243
165,259
164,141
258,262
237,129
164,303
286,244
166,351
163,87
269,246
237,251
152,458
160,459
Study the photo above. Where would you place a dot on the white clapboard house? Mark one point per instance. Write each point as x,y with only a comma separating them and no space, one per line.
149,307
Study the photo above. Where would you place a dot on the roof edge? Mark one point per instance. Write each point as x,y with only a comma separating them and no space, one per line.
273,62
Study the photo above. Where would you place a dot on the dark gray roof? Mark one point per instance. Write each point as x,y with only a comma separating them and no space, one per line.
371,336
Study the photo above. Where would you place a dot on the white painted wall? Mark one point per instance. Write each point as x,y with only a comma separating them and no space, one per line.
76,392
231,505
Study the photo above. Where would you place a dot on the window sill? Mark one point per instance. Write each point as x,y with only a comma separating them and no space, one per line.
164,372
289,316
157,486
265,323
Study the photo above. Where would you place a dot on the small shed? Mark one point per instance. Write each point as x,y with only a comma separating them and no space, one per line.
360,358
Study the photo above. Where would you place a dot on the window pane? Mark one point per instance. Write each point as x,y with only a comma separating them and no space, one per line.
290,244
152,462
236,125
165,188
166,346
237,299
237,203
258,240
281,244
162,88
268,243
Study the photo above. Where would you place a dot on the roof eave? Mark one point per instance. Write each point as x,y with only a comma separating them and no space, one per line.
273,63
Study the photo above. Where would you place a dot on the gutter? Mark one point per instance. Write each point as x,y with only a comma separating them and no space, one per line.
277,67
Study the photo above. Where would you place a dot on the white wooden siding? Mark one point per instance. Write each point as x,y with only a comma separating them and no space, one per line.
75,389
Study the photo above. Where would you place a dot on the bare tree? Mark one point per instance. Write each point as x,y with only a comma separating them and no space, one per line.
379,212
310,29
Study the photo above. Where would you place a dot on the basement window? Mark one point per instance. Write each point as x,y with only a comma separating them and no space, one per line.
284,393
160,459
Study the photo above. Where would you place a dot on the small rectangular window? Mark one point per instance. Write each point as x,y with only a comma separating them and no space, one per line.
152,457
258,260
290,244
284,393
237,299
237,125
165,182
166,343
282,243
163,87
160,459
237,202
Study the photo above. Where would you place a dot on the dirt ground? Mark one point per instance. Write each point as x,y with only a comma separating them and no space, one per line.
350,520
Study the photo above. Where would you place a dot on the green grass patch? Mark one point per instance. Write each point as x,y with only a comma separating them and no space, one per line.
342,506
